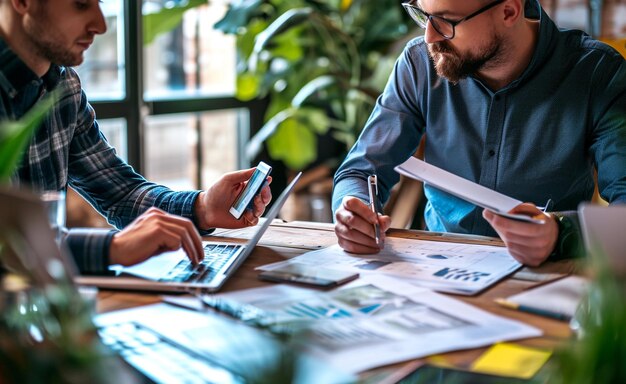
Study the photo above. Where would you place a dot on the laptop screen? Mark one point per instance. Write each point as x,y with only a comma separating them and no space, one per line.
603,233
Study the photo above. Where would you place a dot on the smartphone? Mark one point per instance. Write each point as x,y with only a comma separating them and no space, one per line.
309,275
253,187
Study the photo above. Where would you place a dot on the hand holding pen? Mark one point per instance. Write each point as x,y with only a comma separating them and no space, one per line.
372,188
359,226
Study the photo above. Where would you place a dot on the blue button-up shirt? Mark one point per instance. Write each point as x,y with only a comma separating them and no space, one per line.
69,149
537,138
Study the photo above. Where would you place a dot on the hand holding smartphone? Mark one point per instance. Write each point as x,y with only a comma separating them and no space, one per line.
253,187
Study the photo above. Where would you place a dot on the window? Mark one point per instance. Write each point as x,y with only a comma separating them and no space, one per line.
102,72
167,105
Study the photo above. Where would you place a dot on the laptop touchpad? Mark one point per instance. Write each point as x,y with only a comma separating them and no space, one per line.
156,267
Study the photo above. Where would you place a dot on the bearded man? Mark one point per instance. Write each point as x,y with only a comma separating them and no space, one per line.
507,100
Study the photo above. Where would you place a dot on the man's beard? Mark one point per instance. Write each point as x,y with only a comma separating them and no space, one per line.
454,66
47,41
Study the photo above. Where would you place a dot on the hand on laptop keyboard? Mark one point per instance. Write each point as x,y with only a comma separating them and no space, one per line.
153,233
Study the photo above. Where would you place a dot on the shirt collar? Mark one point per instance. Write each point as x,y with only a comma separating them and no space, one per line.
547,31
15,74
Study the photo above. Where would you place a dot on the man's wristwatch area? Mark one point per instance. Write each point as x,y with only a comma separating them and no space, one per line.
569,243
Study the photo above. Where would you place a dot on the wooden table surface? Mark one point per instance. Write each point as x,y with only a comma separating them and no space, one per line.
286,240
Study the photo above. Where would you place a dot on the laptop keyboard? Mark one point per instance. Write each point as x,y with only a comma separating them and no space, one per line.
160,359
215,257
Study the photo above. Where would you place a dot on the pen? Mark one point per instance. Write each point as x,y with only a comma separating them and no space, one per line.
533,310
545,209
372,188
548,206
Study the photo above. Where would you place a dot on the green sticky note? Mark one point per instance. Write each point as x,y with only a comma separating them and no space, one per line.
511,360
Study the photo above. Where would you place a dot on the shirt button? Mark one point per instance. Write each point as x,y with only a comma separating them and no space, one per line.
491,152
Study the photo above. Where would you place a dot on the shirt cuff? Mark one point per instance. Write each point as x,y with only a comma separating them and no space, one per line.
188,210
90,248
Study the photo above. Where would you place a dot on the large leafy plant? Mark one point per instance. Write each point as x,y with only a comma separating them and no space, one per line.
322,63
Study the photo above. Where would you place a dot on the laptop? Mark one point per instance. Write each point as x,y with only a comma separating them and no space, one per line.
173,272
603,233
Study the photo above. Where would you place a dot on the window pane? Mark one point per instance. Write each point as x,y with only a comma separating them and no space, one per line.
220,143
192,58
171,148
102,72
115,132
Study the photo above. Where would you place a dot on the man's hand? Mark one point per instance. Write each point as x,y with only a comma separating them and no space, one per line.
354,226
213,205
528,243
152,233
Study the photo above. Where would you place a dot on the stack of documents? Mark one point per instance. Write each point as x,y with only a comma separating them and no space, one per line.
459,268
377,320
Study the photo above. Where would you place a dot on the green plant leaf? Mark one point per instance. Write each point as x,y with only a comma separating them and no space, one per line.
248,86
166,19
245,43
254,146
15,136
287,20
311,88
313,118
288,45
294,144
238,15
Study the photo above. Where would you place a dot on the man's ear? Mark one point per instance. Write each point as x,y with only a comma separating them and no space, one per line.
22,6
512,11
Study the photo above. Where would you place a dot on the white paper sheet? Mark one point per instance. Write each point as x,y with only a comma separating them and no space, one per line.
448,267
562,296
378,320
462,188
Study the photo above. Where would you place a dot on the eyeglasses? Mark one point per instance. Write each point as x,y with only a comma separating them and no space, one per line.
443,26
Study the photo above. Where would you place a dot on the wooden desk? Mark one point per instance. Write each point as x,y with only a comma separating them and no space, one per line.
286,240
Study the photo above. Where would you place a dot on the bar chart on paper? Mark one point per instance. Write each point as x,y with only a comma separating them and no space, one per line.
442,266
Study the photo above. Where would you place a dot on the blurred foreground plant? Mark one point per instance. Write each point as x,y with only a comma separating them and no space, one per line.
46,332
46,336
598,355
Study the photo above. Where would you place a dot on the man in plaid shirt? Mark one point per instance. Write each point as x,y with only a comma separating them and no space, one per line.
39,41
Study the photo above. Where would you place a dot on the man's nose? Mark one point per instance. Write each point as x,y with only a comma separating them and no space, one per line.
431,35
98,24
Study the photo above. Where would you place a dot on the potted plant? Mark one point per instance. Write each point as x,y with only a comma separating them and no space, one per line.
321,63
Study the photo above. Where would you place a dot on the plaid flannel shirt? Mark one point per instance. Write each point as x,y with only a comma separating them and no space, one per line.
69,149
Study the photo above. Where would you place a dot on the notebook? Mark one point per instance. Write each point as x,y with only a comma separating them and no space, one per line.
603,233
172,271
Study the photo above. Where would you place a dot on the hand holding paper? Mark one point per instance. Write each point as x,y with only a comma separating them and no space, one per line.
464,189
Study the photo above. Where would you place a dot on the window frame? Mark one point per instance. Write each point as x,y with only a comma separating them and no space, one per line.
134,108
